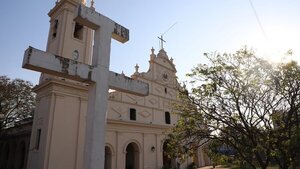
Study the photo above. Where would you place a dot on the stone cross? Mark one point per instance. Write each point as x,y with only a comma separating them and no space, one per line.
98,76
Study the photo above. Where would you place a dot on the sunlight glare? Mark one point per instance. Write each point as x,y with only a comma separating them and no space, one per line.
281,44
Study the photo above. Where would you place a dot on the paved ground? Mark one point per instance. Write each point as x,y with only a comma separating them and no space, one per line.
210,167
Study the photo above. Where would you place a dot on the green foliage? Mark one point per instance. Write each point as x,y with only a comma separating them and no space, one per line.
216,156
243,102
17,101
192,166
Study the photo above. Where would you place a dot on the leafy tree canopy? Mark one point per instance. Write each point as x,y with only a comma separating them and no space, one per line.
17,101
245,103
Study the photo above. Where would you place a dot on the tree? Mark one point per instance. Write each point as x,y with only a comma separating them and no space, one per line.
286,133
235,100
17,101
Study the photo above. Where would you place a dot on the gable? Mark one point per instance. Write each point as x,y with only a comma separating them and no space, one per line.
163,60
166,63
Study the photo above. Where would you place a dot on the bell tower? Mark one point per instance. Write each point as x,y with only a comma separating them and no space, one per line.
66,37
57,136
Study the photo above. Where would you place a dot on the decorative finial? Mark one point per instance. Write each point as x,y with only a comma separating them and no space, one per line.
122,73
152,56
136,68
92,4
171,59
152,50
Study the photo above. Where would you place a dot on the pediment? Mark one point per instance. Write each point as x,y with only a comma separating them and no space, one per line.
164,62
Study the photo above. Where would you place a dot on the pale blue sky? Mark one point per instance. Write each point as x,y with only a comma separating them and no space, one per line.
202,26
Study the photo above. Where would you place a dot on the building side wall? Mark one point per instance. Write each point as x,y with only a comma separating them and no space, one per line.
60,118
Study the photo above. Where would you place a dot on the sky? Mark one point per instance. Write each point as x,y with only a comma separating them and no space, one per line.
201,26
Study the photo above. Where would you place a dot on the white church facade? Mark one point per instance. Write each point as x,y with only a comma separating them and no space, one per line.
137,126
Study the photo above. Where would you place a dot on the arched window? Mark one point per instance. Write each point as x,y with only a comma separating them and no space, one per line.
132,114
78,31
167,118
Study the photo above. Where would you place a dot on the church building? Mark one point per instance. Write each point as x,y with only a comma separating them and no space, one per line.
136,126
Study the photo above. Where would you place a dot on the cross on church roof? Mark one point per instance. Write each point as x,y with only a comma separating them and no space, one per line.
161,44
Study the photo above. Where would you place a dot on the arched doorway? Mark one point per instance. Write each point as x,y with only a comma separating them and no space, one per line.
166,160
20,156
132,156
11,155
202,156
108,157
205,156
4,156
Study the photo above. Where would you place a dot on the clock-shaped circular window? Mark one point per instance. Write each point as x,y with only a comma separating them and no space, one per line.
165,76
75,55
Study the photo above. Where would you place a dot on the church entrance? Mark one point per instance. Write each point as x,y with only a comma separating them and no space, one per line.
4,154
108,156
166,159
132,156
20,156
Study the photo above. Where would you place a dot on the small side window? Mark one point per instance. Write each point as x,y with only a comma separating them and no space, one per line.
167,118
132,114
54,28
38,139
